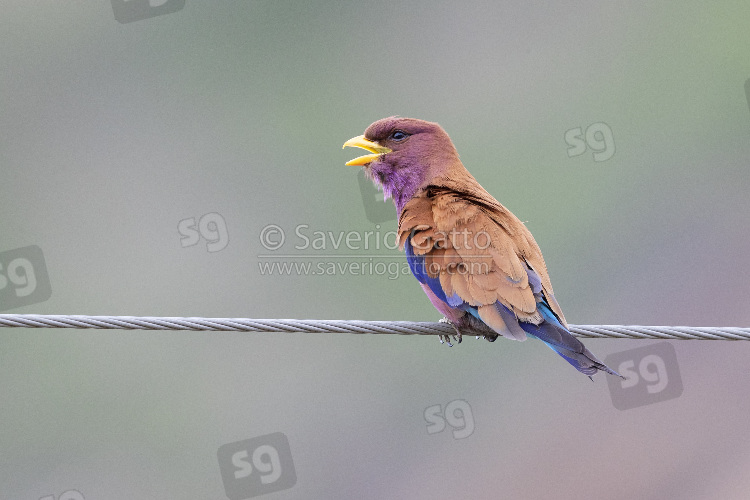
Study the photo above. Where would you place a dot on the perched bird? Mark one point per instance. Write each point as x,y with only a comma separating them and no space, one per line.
476,261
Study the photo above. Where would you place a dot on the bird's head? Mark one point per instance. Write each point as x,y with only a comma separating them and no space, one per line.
405,154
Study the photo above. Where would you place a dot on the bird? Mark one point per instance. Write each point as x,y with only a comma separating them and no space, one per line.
476,261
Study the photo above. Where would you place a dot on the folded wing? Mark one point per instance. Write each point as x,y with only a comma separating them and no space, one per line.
471,250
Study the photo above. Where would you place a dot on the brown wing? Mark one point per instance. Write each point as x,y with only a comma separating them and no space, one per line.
479,250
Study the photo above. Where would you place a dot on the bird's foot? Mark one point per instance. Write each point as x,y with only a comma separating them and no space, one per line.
447,338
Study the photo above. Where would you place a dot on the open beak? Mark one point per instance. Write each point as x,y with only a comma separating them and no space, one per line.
371,146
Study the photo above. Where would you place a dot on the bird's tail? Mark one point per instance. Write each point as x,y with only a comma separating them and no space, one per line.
560,340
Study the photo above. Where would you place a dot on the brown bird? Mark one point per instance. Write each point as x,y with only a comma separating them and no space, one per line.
476,261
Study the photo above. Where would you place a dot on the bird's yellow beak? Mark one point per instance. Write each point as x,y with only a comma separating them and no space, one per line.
371,146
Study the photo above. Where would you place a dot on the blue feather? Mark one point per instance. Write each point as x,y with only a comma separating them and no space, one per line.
559,339
550,330
419,270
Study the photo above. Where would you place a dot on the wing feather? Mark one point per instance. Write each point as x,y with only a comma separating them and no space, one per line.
477,251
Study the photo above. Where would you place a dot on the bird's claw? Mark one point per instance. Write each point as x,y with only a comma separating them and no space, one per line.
447,338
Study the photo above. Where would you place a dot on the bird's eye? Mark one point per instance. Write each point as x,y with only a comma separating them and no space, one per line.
399,135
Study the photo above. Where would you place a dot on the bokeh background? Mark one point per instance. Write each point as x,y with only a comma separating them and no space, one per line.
113,133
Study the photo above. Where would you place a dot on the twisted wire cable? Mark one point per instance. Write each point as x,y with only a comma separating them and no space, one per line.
345,326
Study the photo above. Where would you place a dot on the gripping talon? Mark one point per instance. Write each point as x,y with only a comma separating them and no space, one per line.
457,338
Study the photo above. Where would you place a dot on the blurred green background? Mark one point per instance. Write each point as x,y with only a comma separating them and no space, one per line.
112,133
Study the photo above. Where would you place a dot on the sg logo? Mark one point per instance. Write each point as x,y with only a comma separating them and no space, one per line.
457,414
211,226
651,376
66,495
127,11
23,278
376,209
598,137
256,466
